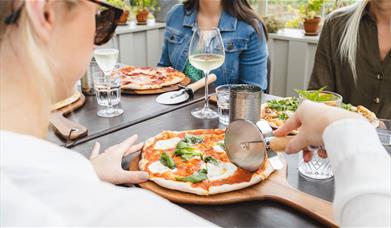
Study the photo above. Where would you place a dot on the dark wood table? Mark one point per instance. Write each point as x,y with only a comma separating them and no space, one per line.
249,214
137,108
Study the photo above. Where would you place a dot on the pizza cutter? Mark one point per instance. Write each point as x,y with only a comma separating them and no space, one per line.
247,147
184,94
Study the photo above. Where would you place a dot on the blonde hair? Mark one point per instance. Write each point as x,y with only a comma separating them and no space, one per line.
32,56
350,38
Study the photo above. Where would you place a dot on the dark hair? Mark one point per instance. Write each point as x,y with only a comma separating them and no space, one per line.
240,9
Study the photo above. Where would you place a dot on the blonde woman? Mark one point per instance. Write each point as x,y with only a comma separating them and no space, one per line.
45,46
354,55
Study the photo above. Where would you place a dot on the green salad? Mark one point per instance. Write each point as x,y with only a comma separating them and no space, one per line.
316,95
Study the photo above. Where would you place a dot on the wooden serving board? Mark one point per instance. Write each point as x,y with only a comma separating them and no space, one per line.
170,88
275,188
63,126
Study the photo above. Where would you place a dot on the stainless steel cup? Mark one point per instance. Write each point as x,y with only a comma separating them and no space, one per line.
245,103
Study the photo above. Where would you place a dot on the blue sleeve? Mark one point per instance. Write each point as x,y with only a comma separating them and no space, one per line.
164,58
253,61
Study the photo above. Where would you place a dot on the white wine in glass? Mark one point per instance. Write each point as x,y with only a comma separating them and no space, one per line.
206,53
108,85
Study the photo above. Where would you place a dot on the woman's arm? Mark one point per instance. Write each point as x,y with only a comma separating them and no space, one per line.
362,174
322,72
361,165
253,61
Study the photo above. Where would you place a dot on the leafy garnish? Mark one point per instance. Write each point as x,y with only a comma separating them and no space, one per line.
289,104
195,178
316,95
348,107
212,160
185,151
193,139
166,160
283,116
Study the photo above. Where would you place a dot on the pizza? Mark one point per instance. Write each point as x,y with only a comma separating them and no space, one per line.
195,161
276,112
144,78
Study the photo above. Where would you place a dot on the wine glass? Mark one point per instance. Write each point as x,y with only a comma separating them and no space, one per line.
206,53
107,85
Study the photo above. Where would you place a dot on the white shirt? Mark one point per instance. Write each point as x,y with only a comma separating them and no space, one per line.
362,171
43,184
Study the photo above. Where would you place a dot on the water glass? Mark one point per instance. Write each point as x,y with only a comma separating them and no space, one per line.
384,133
222,93
108,93
318,168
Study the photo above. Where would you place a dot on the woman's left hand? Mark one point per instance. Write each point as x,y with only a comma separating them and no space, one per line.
107,165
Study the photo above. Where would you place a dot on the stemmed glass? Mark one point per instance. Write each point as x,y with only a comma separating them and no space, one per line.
206,53
107,85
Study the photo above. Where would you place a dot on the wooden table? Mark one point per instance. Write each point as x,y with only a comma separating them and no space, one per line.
249,214
137,108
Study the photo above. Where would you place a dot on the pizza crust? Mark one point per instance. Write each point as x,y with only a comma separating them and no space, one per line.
180,186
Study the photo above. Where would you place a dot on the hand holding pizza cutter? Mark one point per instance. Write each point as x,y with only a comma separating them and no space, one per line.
247,147
184,94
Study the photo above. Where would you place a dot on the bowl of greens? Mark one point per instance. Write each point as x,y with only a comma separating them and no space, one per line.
320,96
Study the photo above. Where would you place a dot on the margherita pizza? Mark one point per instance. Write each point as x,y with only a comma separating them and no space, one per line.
144,78
196,162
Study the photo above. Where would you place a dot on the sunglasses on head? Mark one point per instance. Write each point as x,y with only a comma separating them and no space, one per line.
107,17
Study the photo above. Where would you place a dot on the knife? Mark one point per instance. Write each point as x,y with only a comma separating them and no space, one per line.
184,94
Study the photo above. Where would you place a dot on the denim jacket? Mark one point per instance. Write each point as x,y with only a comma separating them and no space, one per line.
245,51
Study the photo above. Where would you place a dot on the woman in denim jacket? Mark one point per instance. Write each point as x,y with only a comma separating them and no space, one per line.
243,35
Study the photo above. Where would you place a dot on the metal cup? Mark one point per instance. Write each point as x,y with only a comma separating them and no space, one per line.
245,103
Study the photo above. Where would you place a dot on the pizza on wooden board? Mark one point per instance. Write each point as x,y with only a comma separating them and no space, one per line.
145,78
195,161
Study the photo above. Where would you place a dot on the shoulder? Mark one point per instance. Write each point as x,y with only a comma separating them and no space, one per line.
247,29
175,13
338,18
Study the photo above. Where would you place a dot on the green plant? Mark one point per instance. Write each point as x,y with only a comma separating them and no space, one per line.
273,24
150,5
119,4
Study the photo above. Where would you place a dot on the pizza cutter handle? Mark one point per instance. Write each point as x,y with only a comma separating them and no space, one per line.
278,144
201,83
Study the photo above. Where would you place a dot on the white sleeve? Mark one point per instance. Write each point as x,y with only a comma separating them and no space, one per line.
362,171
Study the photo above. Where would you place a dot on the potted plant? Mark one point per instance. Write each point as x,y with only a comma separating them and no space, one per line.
124,6
143,9
310,15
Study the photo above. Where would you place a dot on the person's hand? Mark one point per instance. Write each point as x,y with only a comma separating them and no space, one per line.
107,165
312,119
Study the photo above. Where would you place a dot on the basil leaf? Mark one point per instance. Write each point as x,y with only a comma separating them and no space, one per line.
283,116
316,95
186,153
193,139
195,178
167,160
211,160
289,104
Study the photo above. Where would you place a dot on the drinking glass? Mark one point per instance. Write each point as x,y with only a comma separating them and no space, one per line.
206,53
222,93
318,168
384,133
108,84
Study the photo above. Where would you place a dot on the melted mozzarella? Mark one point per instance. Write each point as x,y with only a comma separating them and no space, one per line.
221,171
167,144
218,149
158,167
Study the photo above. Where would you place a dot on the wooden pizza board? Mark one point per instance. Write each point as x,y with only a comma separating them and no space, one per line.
170,88
62,125
275,188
